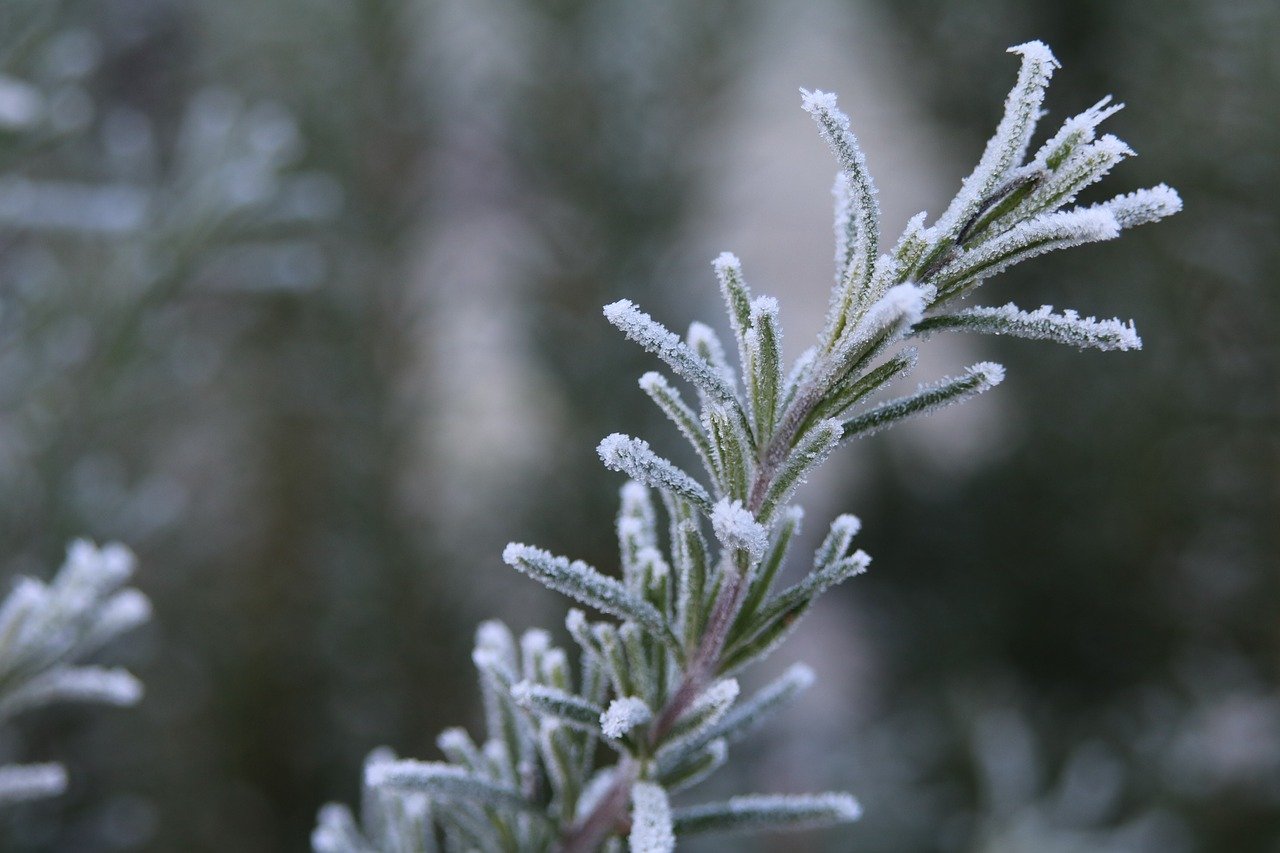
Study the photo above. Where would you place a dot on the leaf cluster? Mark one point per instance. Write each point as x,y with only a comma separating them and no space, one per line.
47,631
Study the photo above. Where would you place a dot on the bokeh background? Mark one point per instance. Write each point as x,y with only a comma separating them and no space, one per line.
300,300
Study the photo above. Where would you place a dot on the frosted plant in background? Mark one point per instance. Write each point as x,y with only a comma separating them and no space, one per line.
656,688
47,631
1024,808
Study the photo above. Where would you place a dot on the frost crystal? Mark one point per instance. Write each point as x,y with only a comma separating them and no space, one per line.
642,329
583,582
1006,148
857,219
1143,206
633,457
736,527
1042,324
1031,238
651,830
623,715
769,813
31,782
900,307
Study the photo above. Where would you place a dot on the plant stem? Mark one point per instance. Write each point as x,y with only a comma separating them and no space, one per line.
587,835
611,810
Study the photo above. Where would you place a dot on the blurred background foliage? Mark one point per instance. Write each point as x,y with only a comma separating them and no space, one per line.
301,300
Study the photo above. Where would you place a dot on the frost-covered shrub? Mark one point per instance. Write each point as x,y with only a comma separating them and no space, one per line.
655,683
47,631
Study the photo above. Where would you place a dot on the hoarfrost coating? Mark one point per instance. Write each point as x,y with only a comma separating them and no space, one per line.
624,715
658,685
46,630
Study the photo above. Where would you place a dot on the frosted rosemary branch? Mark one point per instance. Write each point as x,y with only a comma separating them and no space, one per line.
657,687
47,631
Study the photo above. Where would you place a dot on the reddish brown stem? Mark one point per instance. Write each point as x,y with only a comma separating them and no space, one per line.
611,811
590,833
703,664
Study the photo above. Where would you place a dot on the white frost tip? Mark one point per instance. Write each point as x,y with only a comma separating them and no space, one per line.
847,525
454,740
817,101
791,810
124,610
613,449
1068,327
522,693
623,715
375,775
493,634
650,379
801,675
1143,206
633,492
91,684
1114,146
21,104
651,830
487,659
651,558
512,554
843,806
992,374
903,303
31,781
736,527
619,309
762,305
725,261
555,660
535,641
380,755
700,332
1037,50
722,694
100,568
630,527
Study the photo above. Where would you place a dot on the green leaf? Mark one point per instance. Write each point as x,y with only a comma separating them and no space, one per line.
633,457
836,543
678,771
768,813
445,782
762,580
737,299
641,328
668,399
763,370
810,451
581,581
1066,328
929,398
547,701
